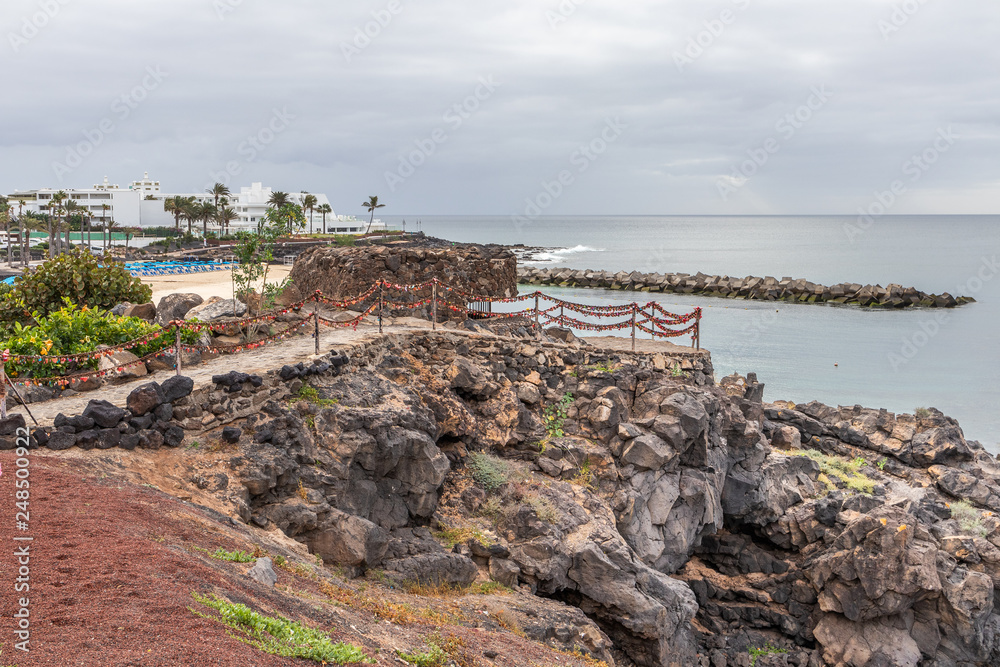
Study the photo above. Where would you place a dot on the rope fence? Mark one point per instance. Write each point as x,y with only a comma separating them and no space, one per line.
649,318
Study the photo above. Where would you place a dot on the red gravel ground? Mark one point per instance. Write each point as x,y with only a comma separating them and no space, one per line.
113,566
106,590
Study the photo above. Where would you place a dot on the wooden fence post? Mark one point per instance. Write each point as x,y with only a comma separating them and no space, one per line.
634,306
538,328
380,305
316,318
177,348
3,388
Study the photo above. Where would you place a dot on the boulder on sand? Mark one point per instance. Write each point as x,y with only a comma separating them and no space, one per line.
176,307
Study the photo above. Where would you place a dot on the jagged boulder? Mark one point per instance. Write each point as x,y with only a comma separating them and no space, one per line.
448,569
345,539
216,308
175,307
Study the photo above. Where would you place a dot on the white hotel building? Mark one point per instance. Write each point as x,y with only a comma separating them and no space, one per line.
141,205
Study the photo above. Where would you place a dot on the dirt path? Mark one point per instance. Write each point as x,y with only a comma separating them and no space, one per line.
271,357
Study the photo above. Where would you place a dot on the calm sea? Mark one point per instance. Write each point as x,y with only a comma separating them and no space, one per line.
899,360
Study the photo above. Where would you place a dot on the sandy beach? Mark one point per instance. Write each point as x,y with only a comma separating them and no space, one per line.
206,285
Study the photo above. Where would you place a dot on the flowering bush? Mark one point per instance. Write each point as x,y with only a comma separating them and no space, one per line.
71,330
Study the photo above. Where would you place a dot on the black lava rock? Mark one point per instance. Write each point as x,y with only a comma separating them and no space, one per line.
176,388
104,414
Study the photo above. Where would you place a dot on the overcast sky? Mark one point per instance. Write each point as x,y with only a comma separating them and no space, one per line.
641,106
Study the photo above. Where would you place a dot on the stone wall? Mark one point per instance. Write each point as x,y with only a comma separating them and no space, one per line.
750,287
485,270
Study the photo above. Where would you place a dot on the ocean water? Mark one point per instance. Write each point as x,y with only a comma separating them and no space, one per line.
898,360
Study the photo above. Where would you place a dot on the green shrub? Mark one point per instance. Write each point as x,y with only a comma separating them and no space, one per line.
922,413
232,556
77,331
488,471
277,635
847,471
770,649
78,276
554,416
969,518
435,657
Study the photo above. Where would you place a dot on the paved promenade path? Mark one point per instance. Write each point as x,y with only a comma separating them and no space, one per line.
289,351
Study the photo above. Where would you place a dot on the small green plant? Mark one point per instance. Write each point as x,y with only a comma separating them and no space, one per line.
194,445
554,416
770,649
922,413
969,518
677,372
278,635
585,477
602,368
847,471
881,464
308,393
433,657
488,471
544,509
461,535
232,556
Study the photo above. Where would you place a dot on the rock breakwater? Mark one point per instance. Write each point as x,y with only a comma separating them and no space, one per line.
749,288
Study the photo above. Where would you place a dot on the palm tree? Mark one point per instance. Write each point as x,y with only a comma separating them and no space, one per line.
89,219
176,206
111,226
371,205
218,190
309,203
56,205
324,209
104,214
278,199
5,216
190,211
71,208
225,215
25,242
205,212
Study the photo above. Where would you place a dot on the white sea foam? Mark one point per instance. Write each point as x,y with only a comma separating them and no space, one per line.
553,255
